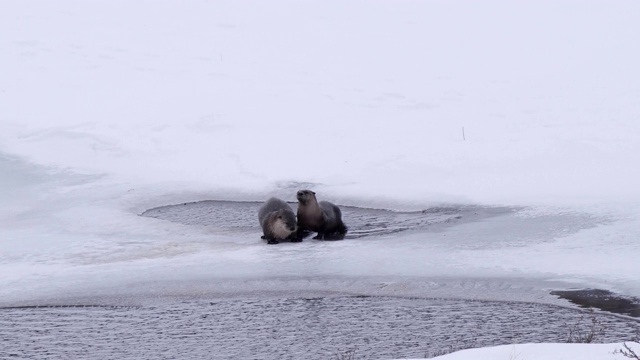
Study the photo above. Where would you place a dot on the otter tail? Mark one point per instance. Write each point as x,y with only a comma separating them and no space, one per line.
342,229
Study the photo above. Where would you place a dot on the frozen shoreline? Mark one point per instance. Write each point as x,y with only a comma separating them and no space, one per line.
128,255
164,290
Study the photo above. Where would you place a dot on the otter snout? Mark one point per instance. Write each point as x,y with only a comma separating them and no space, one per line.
290,222
305,195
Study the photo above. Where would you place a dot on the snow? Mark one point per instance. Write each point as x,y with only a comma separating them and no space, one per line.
542,351
110,108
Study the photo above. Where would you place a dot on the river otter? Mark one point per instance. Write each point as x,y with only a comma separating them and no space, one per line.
278,221
322,217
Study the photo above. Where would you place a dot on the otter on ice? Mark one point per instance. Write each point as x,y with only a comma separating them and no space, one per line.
278,221
322,217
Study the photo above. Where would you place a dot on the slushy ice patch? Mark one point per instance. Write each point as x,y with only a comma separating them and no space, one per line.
241,217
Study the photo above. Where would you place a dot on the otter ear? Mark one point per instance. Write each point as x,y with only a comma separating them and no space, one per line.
313,193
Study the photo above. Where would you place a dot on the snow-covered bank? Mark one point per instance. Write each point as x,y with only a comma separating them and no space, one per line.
543,352
110,108
250,95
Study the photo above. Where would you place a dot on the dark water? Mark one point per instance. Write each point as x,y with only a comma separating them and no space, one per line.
242,217
603,300
290,328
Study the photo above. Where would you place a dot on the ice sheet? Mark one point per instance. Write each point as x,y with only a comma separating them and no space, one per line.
106,113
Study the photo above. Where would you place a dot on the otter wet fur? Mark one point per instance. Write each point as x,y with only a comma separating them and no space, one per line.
322,217
278,221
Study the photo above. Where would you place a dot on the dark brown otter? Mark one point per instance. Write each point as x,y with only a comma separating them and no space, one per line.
322,217
278,221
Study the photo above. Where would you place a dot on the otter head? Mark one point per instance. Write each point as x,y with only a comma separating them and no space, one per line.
284,224
305,196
